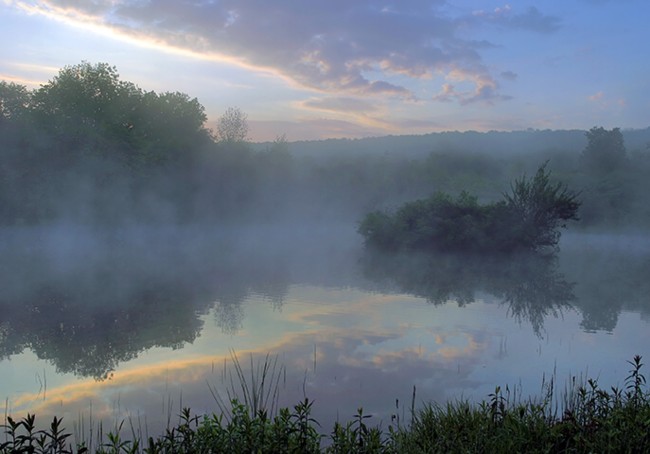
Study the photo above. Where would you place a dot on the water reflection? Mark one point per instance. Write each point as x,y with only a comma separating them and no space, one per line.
87,301
611,274
530,285
93,341
362,350
371,365
352,330
90,302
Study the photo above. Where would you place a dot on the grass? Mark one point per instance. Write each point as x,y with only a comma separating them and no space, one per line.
583,419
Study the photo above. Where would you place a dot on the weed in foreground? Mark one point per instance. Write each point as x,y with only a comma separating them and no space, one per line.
590,419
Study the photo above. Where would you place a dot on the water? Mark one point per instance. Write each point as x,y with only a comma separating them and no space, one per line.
135,324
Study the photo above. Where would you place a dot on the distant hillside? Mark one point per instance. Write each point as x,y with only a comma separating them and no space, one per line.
493,142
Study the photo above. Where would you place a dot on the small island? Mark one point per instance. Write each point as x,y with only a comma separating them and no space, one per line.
528,218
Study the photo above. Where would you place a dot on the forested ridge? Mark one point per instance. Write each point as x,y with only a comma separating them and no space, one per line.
88,147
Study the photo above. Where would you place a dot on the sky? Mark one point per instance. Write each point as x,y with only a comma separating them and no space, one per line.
317,69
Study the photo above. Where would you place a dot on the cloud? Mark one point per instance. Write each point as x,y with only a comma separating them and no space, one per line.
29,75
596,96
483,89
602,2
26,81
534,20
418,123
607,103
312,129
362,111
355,48
323,128
531,20
381,87
346,105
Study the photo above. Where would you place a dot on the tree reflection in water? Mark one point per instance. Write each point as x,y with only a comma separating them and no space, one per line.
88,314
102,301
530,285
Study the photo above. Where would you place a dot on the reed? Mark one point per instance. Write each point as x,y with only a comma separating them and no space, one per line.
582,418
258,391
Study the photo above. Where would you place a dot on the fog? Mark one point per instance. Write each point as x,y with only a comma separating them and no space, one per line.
124,228
96,240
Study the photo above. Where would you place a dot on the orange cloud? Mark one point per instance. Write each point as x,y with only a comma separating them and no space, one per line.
596,96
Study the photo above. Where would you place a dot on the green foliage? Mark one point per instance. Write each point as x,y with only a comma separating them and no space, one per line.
528,218
591,420
165,128
259,392
614,184
357,437
539,208
605,150
85,106
587,419
14,101
22,436
89,145
88,108
379,229
81,93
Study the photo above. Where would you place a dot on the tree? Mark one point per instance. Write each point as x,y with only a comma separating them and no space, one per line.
166,127
607,180
90,110
232,126
83,94
528,218
540,208
605,150
87,138
14,100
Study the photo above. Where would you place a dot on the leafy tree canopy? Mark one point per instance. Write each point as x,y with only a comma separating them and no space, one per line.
88,145
14,100
605,150
89,107
529,218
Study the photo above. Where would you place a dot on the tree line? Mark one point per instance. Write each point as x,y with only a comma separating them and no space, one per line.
90,147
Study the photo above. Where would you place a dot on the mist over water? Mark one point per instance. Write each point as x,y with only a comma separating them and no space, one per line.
138,252
142,314
126,320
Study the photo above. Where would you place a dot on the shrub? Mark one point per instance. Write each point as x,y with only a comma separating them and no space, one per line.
529,218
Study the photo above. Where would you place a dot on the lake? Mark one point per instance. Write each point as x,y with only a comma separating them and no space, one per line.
135,323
